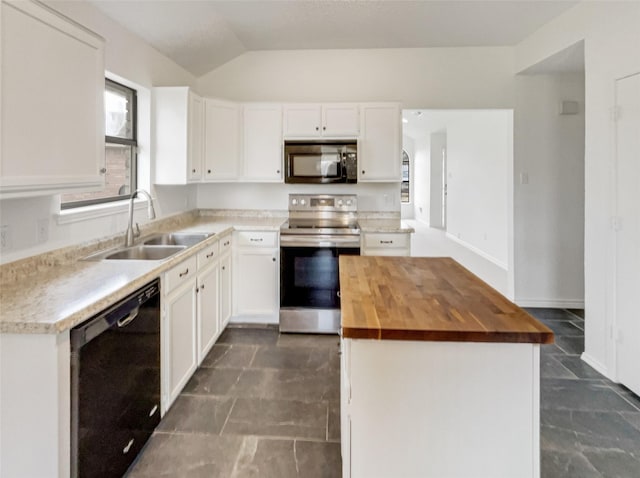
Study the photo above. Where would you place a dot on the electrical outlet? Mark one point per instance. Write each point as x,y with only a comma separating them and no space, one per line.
5,238
42,230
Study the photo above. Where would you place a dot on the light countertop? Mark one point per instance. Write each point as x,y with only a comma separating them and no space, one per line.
58,297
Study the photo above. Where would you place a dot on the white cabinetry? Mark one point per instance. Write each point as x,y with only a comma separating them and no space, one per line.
179,129
435,399
179,329
52,96
207,289
386,244
314,120
262,142
222,140
380,143
256,276
225,281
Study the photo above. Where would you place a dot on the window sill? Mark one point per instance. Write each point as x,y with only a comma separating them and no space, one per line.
79,214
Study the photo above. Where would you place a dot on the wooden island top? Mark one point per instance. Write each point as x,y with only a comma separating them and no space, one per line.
428,299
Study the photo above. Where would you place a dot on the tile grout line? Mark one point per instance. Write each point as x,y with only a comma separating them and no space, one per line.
228,416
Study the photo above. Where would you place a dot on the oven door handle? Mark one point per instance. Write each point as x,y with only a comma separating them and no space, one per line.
302,241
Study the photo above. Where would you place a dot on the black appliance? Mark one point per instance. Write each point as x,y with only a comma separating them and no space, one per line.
320,229
115,384
320,162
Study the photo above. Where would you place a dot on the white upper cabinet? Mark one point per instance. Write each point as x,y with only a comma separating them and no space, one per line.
179,135
222,140
52,96
262,142
380,143
335,120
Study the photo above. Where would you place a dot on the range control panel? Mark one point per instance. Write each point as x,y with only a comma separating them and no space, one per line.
323,202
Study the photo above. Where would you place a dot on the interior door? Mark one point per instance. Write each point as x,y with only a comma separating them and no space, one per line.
628,234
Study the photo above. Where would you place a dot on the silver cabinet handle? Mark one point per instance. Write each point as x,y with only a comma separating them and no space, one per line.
209,256
103,170
182,274
317,128
386,242
253,239
273,259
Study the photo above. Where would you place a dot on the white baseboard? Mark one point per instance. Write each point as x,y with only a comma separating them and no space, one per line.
480,252
253,319
595,364
551,303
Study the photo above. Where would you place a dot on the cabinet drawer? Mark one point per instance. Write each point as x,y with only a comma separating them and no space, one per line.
225,244
180,274
386,241
257,238
209,255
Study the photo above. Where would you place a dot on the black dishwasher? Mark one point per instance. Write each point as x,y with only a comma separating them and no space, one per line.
115,384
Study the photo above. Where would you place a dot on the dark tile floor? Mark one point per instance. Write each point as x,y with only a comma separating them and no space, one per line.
261,405
267,405
590,426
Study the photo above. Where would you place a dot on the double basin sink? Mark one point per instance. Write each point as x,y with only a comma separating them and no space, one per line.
153,248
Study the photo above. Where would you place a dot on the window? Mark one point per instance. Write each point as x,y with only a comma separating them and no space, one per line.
404,189
120,149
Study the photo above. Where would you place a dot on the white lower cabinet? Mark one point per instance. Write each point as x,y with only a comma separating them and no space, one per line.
179,330
256,277
207,295
409,407
225,281
386,244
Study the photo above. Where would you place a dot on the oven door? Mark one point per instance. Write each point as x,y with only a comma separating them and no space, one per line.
310,286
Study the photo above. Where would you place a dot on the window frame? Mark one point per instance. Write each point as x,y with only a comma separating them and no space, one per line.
133,143
408,180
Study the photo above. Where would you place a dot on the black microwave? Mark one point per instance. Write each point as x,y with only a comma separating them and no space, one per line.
320,162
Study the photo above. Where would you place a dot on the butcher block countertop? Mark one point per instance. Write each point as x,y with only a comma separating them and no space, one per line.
428,299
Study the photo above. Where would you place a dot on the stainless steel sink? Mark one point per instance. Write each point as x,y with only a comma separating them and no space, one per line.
177,239
137,253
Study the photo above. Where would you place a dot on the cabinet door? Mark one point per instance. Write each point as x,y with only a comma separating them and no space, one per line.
262,142
180,317
225,290
196,137
341,120
52,77
222,140
379,147
208,324
302,120
256,285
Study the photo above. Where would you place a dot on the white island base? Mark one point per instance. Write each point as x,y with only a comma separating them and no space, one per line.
440,409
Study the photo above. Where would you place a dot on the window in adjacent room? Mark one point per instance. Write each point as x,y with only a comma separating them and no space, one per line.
404,189
120,149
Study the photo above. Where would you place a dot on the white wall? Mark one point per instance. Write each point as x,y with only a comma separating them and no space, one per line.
422,179
417,77
131,59
478,156
407,209
611,35
266,196
549,219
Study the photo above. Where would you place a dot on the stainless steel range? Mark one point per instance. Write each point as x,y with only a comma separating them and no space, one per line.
320,228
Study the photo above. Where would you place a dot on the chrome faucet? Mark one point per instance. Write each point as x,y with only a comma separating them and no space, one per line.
151,213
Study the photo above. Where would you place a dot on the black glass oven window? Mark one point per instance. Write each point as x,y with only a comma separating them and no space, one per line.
310,276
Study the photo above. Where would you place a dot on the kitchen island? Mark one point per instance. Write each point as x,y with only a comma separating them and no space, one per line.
440,374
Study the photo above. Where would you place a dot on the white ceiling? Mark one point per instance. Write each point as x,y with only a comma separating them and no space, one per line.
201,35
